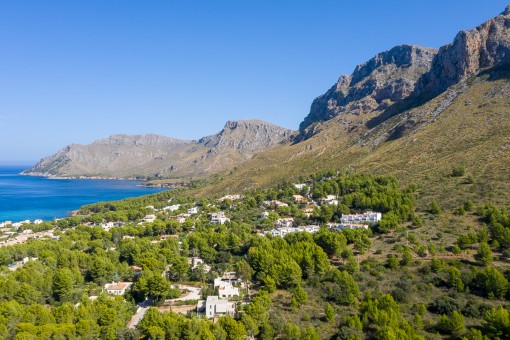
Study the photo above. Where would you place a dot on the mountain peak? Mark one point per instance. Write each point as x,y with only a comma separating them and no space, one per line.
388,77
246,135
409,71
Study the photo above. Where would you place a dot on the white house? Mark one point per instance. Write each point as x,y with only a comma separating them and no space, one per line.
219,218
264,215
299,198
284,222
299,186
281,232
117,288
195,262
216,306
341,226
38,221
367,217
225,288
193,211
172,207
329,198
149,218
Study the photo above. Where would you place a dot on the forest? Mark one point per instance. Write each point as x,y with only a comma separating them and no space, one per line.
421,272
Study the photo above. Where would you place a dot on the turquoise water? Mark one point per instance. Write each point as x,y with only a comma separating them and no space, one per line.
25,197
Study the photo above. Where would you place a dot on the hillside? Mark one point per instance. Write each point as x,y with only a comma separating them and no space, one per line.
159,156
448,117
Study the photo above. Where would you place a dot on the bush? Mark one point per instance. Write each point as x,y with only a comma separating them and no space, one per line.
458,171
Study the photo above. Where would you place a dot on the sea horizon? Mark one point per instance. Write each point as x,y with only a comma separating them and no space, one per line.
24,197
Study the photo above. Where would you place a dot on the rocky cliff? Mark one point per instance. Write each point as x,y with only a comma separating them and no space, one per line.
389,82
153,155
375,85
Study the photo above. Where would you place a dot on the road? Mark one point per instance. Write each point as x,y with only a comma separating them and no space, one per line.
140,312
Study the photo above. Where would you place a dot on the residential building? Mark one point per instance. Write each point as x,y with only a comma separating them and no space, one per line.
281,232
215,306
341,226
193,211
149,218
284,222
197,262
219,218
308,212
172,207
367,217
264,215
117,288
299,198
299,186
225,288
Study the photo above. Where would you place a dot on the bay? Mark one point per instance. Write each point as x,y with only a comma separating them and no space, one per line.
29,198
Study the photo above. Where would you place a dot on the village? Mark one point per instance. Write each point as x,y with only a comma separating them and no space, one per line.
230,291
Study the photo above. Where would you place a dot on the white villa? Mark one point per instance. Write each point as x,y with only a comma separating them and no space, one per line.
195,262
149,218
215,306
219,218
284,222
299,186
367,217
117,288
341,226
172,207
193,211
225,288
281,232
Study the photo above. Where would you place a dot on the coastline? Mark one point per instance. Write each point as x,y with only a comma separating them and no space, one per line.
51,176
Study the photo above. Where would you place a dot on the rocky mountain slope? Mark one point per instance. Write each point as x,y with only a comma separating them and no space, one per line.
159,156
412,112
406,76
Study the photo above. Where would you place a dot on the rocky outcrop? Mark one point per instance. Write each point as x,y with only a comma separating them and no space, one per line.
486,46
406,73
387,78
246,136
154,155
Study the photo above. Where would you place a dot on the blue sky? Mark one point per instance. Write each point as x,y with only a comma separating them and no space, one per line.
77,71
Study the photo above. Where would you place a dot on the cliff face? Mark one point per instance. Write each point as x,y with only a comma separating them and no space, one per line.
383,80
154,155
407,72
246,136
485,46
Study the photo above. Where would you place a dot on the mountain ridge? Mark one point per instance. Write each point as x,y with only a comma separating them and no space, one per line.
395,98
151,155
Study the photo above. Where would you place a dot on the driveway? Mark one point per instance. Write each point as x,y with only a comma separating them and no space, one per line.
193,293
140,312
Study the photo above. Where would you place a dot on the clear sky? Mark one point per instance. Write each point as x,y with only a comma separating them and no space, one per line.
77,71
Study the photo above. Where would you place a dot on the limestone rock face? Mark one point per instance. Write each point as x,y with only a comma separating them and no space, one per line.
485,46
246,136
407,72
388,77
154,155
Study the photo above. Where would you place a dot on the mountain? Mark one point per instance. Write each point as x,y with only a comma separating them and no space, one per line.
152,155
407,75
412,112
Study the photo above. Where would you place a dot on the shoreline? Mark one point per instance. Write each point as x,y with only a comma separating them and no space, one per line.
144,181
50,176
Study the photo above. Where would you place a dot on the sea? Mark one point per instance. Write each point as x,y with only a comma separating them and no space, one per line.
29,198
